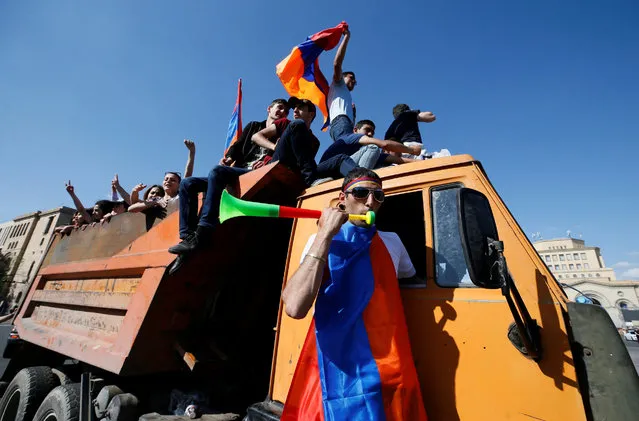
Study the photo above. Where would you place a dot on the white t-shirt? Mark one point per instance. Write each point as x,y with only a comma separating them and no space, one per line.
340,101
401,260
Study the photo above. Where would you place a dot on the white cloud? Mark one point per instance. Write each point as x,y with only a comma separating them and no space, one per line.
631,273
623,264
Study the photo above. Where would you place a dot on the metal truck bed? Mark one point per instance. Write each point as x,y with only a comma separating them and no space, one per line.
104,297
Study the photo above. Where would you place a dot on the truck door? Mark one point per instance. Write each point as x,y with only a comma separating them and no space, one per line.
467,366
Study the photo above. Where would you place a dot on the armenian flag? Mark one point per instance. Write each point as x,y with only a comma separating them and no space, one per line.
235,125
299,72
356,362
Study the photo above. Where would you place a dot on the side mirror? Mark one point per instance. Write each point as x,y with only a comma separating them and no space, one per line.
477,230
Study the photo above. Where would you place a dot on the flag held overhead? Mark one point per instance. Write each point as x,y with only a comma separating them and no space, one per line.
299,72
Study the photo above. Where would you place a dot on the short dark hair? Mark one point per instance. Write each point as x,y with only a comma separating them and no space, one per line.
105,206
400,108
361,123
281,101
348,73
146,193
359,172
177,174
310,107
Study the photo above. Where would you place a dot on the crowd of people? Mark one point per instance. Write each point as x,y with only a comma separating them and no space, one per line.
346,358
155,199
291,142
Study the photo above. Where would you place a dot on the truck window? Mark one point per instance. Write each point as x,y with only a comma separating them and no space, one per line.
404,214
450,263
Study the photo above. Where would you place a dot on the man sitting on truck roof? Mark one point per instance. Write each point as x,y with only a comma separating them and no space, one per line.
405,128
356,361
367,151
298,146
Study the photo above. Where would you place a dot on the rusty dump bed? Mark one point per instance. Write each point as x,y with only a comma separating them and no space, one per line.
104,297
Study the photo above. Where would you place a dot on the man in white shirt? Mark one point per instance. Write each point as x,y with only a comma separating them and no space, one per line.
351,272
361,192
340,102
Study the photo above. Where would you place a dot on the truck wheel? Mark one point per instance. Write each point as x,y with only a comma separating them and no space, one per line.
64,379
25,393
62,404
123,407
101,402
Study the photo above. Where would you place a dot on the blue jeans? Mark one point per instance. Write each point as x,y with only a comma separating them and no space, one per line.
213,185
367,156
340,126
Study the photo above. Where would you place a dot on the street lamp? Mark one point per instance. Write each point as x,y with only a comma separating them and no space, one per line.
581,298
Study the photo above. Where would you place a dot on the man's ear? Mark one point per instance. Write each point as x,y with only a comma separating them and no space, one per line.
342,198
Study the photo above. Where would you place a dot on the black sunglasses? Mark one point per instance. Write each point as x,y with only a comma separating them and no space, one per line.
361,193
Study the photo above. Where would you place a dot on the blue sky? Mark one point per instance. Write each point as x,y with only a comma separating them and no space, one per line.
544,93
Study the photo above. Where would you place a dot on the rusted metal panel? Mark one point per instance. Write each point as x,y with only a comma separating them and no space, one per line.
122,285
104,298
78,321
109,300
125,285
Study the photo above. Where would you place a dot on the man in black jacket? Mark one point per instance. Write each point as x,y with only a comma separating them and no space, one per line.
244,153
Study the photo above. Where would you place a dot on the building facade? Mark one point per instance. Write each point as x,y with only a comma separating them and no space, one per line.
582,271
25,240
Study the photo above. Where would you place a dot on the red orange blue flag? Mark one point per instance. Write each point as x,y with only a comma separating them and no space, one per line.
235,125
356,362
299,72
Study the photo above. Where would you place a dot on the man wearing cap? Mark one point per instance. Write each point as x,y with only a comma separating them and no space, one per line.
196,233
356,361
297,145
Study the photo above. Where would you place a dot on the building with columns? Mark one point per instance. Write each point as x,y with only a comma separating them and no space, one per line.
581,270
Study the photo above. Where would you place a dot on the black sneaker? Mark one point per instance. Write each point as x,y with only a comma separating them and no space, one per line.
188,244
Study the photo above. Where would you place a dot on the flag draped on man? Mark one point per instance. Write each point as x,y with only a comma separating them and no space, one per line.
235,125
300,73
356,362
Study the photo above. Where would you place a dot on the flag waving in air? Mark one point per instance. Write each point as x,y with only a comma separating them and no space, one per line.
300,73
235,125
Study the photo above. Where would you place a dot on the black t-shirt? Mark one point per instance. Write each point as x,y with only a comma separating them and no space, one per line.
244,152
404,128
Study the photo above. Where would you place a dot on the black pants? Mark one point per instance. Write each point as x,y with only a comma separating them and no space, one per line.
295,149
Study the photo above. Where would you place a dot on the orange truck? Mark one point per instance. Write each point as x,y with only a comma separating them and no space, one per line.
106,333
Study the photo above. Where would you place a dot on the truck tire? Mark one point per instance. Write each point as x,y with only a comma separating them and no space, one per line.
123,407
64,379
62,404
25,393
101,402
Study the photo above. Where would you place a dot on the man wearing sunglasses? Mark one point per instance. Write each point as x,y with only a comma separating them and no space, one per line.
357,345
